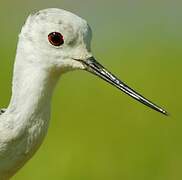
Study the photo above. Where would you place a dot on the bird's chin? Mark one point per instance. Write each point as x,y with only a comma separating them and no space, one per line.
69,65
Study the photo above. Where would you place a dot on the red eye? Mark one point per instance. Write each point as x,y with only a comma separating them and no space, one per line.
56,38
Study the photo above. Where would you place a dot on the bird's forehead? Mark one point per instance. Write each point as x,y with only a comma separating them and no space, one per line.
58,17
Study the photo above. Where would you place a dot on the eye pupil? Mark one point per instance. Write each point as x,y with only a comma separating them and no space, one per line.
56,38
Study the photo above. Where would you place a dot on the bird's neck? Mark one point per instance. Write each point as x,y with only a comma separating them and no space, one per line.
32,90
26,119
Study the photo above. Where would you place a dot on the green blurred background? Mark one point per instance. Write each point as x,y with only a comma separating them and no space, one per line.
97,132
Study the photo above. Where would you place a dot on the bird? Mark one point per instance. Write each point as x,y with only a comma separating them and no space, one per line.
51,43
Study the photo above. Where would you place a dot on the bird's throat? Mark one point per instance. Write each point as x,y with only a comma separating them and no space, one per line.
31,103
28,115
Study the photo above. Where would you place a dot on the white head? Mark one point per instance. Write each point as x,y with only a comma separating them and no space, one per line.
59,41
56,37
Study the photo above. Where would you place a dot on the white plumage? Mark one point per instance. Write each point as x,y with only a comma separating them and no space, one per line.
37,68
39,63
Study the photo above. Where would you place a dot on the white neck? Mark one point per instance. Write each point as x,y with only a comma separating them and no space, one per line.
28,113
33,84
32,89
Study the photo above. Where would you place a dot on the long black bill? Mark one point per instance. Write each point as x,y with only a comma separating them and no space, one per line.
96,68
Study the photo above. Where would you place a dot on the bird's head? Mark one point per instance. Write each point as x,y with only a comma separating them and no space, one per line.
58,40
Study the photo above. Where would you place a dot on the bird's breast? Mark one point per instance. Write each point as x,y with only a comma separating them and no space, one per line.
19,147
